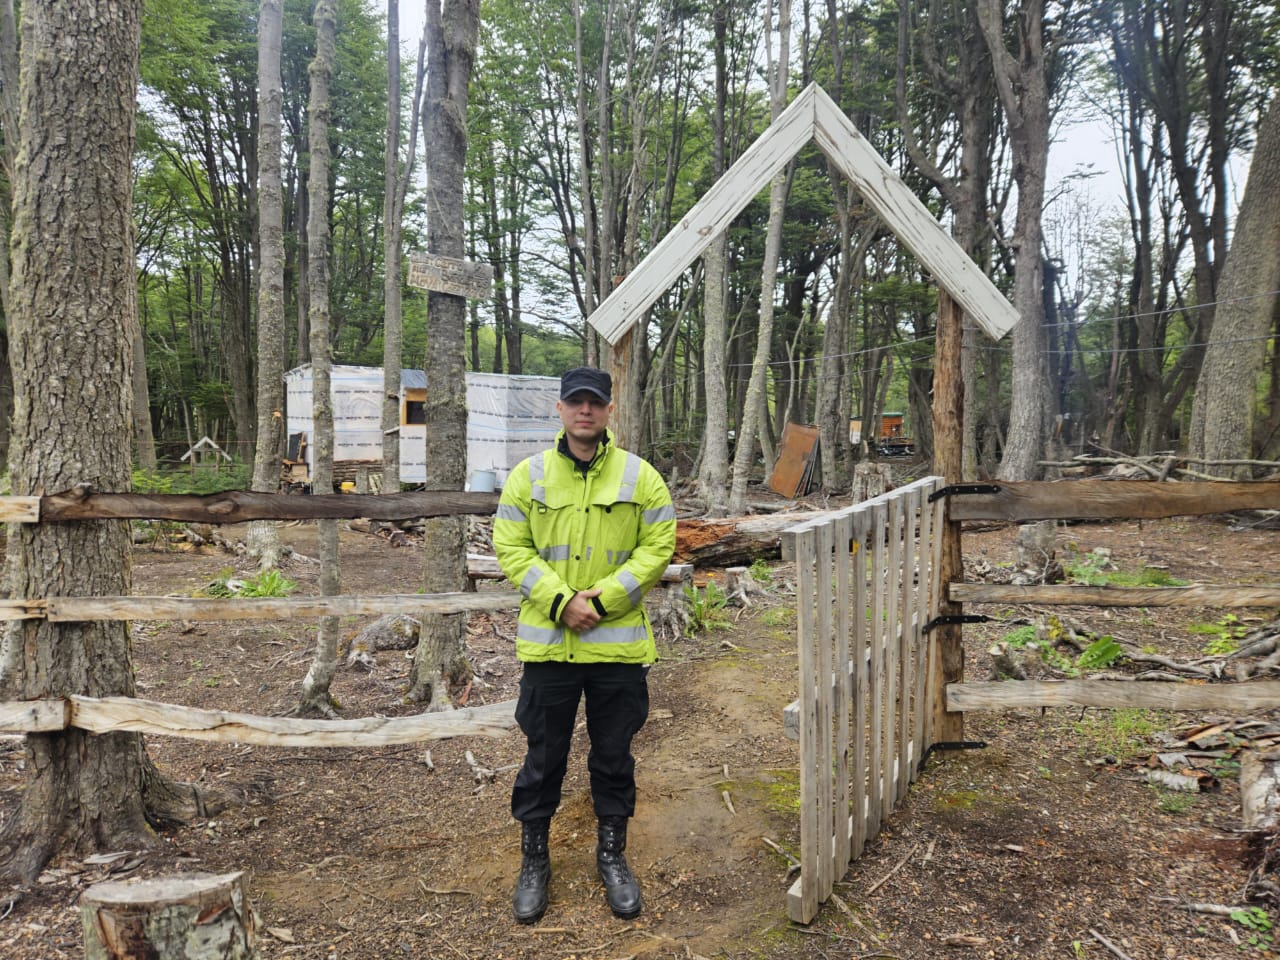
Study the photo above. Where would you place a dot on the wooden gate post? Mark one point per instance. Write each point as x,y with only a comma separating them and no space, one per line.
198,916
946,664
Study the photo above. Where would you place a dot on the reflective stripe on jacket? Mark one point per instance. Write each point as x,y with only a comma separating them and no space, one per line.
557,532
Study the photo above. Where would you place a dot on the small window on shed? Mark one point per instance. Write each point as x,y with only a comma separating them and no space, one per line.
415,411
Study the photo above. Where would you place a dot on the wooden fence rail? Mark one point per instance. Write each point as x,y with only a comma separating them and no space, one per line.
1113,500
115,714
862,711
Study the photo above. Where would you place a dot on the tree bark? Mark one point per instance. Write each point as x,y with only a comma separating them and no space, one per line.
1226,399
263,540
753,422
451,31
316,698
1023,85
72,304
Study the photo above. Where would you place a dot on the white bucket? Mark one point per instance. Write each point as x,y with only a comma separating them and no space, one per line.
483,481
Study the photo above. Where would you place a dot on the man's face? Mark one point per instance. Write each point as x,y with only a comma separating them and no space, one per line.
584,415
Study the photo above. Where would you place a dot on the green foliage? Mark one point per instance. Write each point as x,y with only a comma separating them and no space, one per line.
1019,637
778,617
1173,802
268,583
1100,654
1096,570
1257,922
760,571
199,482
1225,635
1118,734
706,608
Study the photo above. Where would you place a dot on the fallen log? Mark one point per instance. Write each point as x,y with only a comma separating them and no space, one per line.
735,541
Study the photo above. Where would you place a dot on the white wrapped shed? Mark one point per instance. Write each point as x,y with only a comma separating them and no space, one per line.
510,417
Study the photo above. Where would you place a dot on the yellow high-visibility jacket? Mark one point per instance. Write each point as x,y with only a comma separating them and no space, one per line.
557,532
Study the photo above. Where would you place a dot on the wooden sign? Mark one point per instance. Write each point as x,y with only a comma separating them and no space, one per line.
447,275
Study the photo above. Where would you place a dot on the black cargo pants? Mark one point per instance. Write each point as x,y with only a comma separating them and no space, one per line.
617,696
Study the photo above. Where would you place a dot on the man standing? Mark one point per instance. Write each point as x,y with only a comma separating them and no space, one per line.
584,529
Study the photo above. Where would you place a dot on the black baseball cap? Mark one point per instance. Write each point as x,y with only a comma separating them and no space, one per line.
586,378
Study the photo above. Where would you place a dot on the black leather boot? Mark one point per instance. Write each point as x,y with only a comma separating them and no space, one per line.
529,902
620,887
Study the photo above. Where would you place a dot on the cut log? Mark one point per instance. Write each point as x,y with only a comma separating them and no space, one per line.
200,916
1260,790
735,541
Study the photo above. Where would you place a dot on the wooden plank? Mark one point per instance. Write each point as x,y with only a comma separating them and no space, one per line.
22,609
1114,500
842,530
240,505
462,278
707,219
875,669
889,196
1237,698
805,548
824,655
935,697
19,509
892,659
859,680
905,634
35,716
1193,596
112,714
74,609
920,643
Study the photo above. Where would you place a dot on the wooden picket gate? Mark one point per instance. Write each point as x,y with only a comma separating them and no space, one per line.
867,583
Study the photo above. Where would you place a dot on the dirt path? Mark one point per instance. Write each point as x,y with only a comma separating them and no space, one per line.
1025,849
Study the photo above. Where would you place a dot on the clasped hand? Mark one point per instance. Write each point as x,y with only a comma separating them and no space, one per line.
580,613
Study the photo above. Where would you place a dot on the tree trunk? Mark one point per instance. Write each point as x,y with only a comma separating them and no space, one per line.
440,656
316,698
1023,84
755,403
1226,398
393,318
144,441
263,541
72,306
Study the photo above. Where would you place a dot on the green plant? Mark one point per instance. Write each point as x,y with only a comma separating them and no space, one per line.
1096,570
1019,637
1173,802
1226,635
706,608
760,571
268,583
778,617
1100,654
1256,921
234,477
1120,734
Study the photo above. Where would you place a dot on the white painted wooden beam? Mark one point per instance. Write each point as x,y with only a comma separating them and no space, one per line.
904,214
813,115
707,219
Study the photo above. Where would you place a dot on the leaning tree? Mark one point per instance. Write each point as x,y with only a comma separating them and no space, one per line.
71,316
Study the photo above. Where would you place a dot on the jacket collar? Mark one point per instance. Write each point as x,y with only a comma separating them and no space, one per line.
602,448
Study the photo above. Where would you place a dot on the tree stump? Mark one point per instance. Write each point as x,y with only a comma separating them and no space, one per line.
198,916
870,480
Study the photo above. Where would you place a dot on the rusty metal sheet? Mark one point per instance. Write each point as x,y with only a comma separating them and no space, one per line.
797,453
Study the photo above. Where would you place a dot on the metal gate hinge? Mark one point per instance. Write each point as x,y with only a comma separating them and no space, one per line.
962,488
953,618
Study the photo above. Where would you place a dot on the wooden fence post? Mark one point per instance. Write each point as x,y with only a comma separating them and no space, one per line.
947,650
